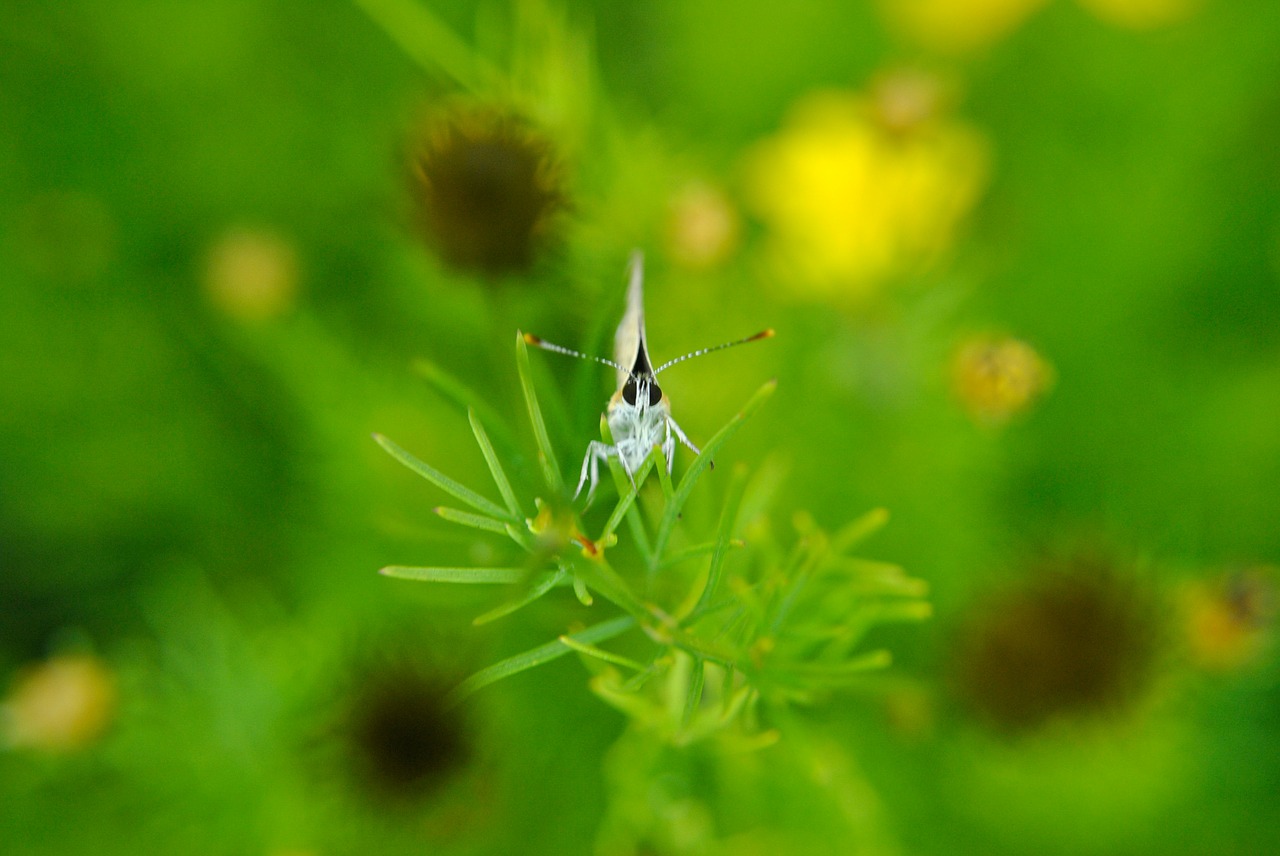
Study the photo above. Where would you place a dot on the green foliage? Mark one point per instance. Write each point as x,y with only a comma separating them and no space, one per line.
777,624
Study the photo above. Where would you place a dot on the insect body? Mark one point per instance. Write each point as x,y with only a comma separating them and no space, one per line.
639,413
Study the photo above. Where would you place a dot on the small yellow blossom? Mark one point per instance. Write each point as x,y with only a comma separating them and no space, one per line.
998,377
251,274
703,227
1230,621
958,26
850,198
60,705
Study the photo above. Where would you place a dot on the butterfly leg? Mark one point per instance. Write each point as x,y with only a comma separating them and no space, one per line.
596,452
623,458
684,439
669,448
671,423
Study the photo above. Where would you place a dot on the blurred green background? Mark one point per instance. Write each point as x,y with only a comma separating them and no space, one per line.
1023,259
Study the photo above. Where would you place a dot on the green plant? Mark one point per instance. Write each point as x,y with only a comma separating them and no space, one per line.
724,623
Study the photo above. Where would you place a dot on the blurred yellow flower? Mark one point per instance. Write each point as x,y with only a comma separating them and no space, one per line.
998,377
1141,14
852,195
958,26
703,227
1230,621
251,274
60,705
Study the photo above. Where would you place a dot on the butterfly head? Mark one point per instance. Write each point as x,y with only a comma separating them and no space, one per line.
642,391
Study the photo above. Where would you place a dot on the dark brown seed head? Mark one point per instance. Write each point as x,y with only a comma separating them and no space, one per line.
488,189
1076,638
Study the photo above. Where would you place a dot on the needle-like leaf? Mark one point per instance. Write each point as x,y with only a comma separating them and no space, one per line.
440,480
546,455
456,575
495,466
538,656
701,463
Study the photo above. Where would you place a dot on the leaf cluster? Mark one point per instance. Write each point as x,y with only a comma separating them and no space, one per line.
769,618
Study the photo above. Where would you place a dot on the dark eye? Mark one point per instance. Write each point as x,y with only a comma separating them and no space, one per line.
655,395
629,391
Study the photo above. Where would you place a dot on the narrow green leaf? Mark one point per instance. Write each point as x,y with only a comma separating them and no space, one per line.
635,523
664,477
624,505
857,530
870,661
430,43
580,591
475,521
694,699
635,682
728,517
538,656
544,585
456,575
605,581
702,462
701,649
440,480
696,551
601,654
495,466
546,455
730,675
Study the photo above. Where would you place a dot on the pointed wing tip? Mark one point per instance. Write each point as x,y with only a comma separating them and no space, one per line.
765,334
531,339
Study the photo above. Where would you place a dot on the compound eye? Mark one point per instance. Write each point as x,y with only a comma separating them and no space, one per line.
629,391
655,394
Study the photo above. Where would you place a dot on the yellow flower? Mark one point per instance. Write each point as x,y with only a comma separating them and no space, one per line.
1230,621
959,26
702,226
60,705
998,377
851,196
251,275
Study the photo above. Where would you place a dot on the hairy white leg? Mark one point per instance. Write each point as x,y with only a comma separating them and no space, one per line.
671,423
668,445
596,452
623,458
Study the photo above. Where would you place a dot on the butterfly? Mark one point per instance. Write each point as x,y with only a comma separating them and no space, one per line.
639,413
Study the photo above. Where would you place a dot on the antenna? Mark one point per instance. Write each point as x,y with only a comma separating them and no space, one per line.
561,349
763,334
